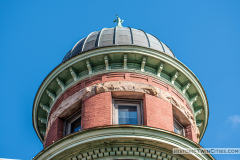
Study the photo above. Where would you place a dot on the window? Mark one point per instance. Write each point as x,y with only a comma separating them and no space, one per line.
127,111
73,123
178,128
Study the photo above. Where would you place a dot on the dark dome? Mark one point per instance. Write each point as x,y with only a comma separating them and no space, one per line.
118,36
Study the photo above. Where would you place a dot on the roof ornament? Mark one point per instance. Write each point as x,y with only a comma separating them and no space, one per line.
119,21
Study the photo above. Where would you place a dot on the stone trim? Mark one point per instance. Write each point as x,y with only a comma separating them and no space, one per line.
116,76
121,86
126,151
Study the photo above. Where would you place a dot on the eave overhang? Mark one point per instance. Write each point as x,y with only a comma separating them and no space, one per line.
123,49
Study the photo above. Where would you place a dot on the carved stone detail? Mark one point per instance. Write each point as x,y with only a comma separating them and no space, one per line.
126,86
122,86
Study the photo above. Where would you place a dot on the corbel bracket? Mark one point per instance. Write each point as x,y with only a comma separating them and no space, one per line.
143,64
106,62
194,99
42,120
197,112
51,95
44,107
89,67
160,68
199,123
74,75
125,61
186,87
174,77
60,83
43,132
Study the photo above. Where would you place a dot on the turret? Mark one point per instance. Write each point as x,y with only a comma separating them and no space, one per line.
120,93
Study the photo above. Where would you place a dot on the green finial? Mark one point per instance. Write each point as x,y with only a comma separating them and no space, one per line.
119,21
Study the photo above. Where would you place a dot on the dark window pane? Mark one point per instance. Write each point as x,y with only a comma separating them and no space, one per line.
175,130
76,125
127,115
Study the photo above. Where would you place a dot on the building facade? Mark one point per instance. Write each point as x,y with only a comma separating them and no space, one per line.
120,93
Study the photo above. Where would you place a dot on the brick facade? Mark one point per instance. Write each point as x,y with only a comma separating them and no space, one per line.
55,133
189,133
97,109
116,77
157,113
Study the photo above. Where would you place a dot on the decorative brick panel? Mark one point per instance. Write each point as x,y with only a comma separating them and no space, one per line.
157,113
97,110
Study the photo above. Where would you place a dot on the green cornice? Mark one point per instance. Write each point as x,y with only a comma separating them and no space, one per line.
80,144
118,50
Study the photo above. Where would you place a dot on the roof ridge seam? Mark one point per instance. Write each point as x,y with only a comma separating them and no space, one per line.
112,38
99,38
114,35
160,43
146,37
86,40
130,29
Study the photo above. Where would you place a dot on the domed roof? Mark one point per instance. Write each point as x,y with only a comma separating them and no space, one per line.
118,36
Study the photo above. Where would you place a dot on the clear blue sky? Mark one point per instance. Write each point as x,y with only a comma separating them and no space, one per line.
35,36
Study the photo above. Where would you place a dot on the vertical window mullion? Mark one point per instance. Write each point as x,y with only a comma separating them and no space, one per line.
138,115
116,113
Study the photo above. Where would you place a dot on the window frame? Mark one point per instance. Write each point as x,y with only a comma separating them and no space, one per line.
179,126
68,122
127,102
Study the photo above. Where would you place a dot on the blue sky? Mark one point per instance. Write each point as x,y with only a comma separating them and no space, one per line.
35,36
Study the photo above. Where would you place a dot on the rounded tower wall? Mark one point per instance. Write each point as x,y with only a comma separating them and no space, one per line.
94,97
120,93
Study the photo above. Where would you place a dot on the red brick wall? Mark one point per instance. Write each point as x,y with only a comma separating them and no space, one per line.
157,113
116,77
97,110
55,133
190,134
